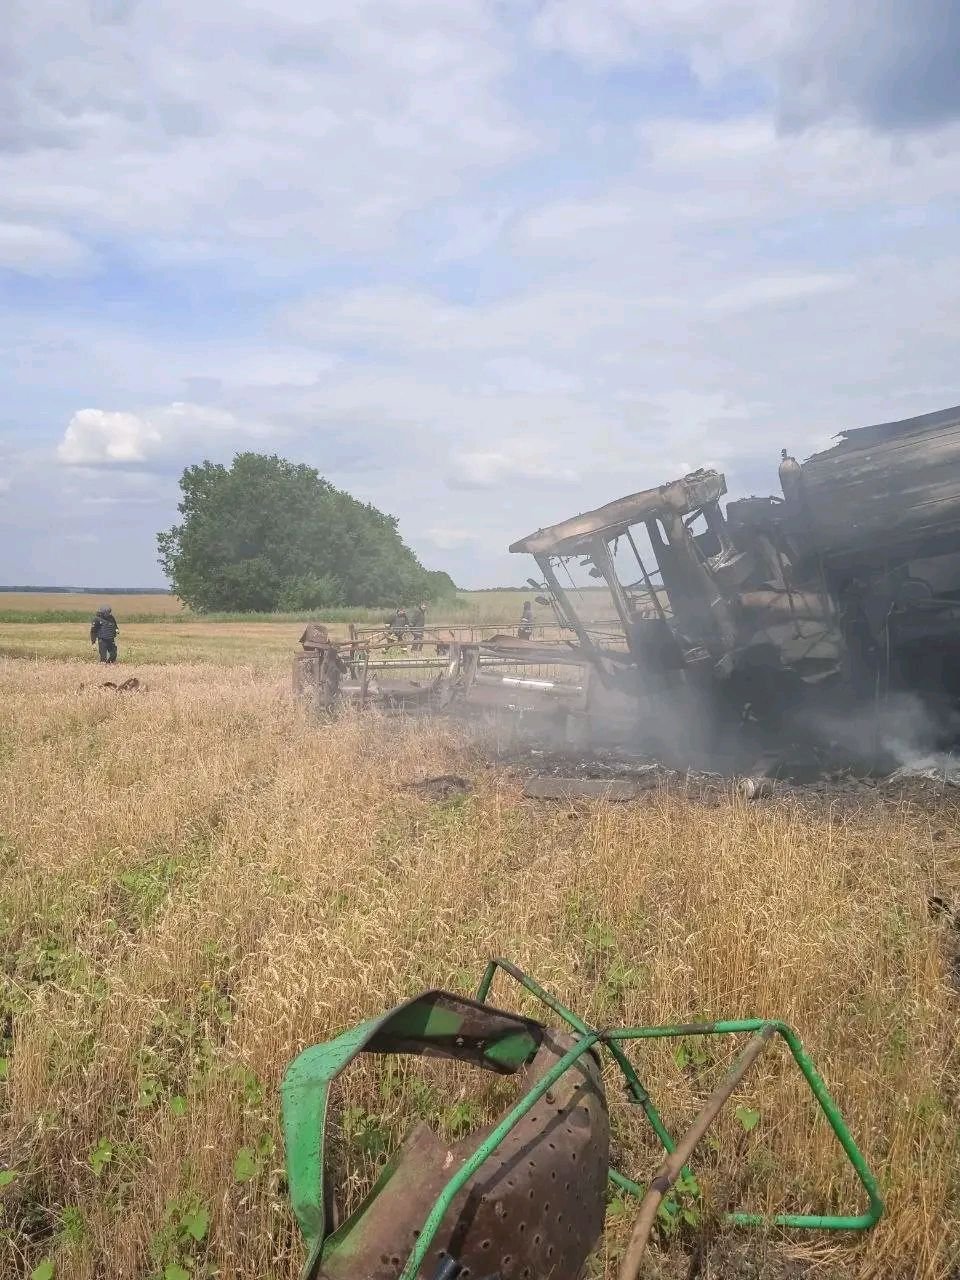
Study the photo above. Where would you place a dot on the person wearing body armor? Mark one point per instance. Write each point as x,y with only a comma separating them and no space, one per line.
525,629
103,633
399,623
418,621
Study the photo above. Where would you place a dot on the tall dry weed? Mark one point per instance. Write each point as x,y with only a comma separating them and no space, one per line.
198,881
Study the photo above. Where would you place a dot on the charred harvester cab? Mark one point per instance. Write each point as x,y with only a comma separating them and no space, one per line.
721,612
847,584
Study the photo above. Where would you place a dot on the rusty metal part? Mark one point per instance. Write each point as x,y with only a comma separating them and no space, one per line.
306,673
314,636
785,604
534,1209
551,788
753,788
446,786
669,1171
540,652
469,675
317,673
522,1199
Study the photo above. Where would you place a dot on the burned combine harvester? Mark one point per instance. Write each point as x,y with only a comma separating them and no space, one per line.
847,587
723,625
451,670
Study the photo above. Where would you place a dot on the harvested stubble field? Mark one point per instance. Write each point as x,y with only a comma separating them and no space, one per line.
197,881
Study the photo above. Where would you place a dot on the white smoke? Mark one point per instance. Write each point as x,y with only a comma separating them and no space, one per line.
899,732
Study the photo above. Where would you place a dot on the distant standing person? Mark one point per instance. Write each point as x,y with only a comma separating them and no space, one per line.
400,623
103,633
417,624
525,629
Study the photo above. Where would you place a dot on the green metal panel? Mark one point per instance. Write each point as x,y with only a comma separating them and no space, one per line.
304,1094
434,1022
442,1023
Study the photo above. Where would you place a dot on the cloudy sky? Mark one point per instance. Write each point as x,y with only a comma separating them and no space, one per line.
485,263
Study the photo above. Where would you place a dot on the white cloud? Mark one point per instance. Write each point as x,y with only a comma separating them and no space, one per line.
891,65
774,290
517,462
714,34
102,438
745,169
201,129
447,539
572,219
561,315
96,436
123,500
37,250
390,239
518,373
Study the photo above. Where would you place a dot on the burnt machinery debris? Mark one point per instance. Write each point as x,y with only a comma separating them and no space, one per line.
723,624
525,1197
453,669
845,588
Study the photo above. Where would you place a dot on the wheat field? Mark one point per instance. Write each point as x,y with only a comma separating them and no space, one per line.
198,880
483,607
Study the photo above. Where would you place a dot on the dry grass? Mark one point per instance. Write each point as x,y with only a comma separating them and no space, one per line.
197,882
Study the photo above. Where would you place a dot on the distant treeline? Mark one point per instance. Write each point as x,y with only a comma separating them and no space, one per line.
265,535
88,591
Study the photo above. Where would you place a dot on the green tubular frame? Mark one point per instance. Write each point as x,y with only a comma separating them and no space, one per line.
307,1107
614,1039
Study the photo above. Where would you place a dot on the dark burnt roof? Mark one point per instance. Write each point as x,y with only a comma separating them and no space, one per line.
857,436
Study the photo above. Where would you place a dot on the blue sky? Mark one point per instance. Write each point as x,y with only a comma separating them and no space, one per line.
483,264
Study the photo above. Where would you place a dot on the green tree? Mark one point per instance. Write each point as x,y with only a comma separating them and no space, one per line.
265,533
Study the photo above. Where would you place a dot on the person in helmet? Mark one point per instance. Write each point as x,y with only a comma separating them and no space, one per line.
103,633
525,629
418,620
399,624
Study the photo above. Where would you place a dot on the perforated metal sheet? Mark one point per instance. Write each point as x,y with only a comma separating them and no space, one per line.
534,1210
